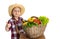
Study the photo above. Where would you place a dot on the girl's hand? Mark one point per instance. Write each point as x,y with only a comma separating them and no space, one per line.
8,25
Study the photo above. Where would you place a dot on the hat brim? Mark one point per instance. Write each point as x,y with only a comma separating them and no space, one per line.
16,5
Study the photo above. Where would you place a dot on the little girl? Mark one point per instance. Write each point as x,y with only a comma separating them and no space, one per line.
15,11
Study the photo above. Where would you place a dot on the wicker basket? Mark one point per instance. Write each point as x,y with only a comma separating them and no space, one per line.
35,31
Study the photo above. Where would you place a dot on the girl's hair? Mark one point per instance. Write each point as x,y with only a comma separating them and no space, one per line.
13,9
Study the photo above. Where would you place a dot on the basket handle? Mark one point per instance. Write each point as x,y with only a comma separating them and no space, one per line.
34,17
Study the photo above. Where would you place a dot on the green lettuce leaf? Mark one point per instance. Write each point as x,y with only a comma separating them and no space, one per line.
44,20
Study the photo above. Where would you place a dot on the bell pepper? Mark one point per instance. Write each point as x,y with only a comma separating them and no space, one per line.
30,19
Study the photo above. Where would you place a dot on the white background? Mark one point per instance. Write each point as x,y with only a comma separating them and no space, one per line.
49,8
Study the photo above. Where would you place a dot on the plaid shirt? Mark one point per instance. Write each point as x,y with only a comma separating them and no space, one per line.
18,23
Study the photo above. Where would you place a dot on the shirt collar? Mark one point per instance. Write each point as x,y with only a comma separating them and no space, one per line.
15,19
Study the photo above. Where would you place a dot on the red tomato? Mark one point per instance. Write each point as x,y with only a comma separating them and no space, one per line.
37,21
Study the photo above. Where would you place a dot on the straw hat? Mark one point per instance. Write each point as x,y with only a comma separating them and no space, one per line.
16,5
